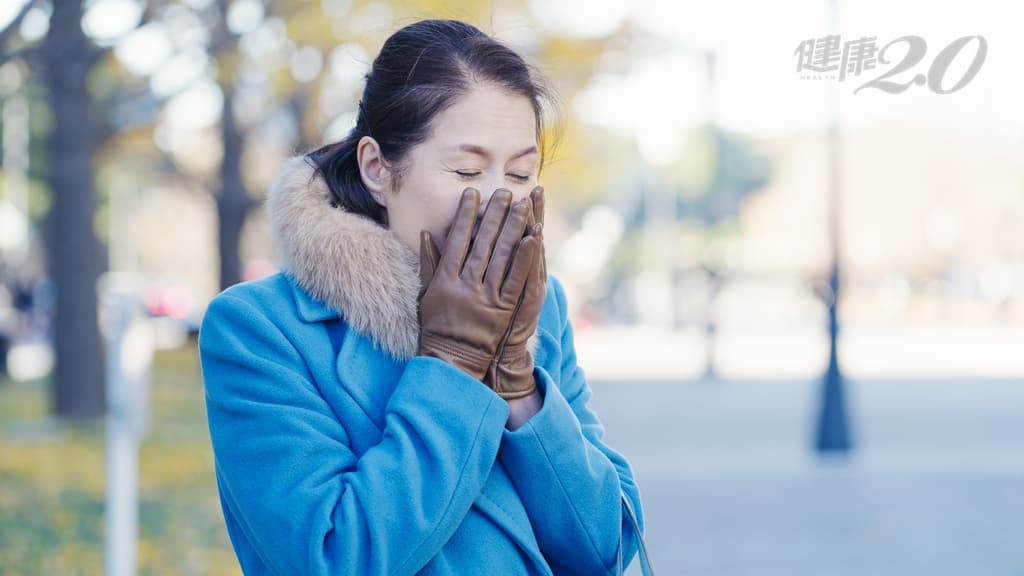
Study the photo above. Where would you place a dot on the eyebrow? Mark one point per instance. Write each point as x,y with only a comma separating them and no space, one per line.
481,151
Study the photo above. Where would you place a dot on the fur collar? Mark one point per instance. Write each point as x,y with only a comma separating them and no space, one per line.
349,262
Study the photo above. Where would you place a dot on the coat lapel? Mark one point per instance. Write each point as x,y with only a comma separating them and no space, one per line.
499,501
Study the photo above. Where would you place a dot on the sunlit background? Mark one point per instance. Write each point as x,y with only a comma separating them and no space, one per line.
709,198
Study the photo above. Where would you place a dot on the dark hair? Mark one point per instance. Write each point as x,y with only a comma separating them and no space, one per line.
421,70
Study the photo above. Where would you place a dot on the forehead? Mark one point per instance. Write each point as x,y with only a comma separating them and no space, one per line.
487,116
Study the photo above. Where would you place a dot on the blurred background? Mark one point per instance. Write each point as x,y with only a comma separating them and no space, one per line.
792,236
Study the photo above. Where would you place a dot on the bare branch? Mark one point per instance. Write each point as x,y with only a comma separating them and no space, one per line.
16,23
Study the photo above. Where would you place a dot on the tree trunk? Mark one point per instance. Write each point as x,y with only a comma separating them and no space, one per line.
233,202
73,251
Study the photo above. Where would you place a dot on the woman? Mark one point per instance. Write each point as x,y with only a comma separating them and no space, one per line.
404,398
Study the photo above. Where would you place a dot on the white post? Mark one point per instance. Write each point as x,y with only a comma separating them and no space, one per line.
129,359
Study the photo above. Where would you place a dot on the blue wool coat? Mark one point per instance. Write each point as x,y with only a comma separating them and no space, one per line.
339,451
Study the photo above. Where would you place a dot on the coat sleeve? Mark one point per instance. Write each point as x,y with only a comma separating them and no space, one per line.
302,498
568,478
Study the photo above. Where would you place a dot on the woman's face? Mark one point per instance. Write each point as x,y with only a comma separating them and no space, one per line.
486,140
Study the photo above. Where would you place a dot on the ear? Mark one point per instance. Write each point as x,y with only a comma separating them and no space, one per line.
372,170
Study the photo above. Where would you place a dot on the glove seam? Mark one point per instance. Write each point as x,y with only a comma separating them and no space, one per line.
462,353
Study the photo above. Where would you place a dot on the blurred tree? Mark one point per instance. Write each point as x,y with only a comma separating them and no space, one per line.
75,258
60,63
233,201
715,172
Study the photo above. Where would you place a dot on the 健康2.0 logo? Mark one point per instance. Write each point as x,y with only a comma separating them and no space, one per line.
829,58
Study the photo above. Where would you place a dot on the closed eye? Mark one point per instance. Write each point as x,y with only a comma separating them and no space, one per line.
519,177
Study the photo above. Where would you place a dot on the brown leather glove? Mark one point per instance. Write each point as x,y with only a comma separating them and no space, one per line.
511,376
468,299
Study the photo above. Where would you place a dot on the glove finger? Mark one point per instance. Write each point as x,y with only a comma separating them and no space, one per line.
522,265
460,233
505,248
543,257
537,284
537,196
487,234
429,258
542,265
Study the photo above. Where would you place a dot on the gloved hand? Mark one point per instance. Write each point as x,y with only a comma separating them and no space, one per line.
468,294
511,376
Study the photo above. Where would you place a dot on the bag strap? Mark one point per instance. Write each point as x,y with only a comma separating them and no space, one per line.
645,563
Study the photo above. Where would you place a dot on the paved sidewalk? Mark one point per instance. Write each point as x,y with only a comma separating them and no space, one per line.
935,486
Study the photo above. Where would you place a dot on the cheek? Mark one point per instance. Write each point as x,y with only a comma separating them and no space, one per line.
440,213
425,201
